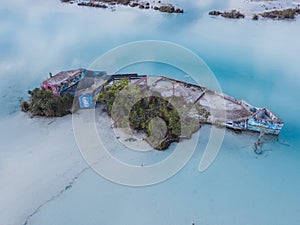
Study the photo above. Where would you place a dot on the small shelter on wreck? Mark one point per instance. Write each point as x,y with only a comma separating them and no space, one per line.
63,81
85,83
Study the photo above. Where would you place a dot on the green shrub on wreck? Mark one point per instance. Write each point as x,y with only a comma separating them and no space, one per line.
44,103
107,97
163,120
144,111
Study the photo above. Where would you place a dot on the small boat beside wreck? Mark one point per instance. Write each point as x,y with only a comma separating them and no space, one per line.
224,110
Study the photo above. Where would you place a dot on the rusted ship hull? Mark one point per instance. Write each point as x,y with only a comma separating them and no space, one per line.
224,110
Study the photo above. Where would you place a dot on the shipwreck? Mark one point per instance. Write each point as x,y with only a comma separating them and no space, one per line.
234,114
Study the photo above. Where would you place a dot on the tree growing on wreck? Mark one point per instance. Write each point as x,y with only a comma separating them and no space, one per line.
43,102
143,117
108,96
162,120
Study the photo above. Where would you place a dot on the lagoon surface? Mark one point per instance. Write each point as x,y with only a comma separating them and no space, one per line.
43,178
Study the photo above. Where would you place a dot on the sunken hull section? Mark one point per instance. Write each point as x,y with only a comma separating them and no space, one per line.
264,126
265,121
261,120
224,110
252,124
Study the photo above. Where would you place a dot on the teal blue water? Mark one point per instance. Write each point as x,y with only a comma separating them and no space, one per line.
253,60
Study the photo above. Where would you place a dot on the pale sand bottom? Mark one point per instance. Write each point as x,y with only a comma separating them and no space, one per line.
236,187
126,145
239,188
38,160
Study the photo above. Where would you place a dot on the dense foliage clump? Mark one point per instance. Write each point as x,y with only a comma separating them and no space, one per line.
160,132
162,120
44,103
127,103
108,96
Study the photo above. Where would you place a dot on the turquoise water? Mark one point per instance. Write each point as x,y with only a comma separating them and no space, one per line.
253,60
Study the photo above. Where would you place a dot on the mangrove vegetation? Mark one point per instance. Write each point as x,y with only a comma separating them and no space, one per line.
162,120
43,102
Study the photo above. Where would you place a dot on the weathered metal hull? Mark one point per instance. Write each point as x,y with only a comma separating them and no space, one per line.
225,110
264,126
